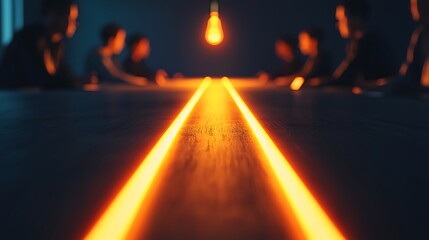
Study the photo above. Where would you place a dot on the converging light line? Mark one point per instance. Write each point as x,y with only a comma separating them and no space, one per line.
314,222
118,219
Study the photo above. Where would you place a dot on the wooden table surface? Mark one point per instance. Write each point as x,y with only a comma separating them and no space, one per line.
64,156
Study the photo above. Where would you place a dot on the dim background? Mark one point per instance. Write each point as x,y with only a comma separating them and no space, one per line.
176,29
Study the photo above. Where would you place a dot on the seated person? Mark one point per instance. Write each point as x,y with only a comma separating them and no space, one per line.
318,64
367,59
35,57
286,50
103,63
135,64
414,73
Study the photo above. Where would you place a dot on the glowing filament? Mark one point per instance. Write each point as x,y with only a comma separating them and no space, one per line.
214,32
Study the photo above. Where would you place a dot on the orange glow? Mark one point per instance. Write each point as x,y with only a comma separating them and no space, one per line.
357,90
314,222
415,10
342,22
49,62
182,84
72,22
297,84
117,220
425,75
214,32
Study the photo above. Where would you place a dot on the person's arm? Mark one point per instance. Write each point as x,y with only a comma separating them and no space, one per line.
116,72
263,77
284,81
66,78
425,56
60,76
425,74
161,77
415,70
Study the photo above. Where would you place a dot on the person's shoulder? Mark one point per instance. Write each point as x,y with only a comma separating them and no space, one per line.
31,31
94,51
324,55
93,59
372,39
28,36
93,54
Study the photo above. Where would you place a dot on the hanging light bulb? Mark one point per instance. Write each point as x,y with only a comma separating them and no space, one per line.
214,32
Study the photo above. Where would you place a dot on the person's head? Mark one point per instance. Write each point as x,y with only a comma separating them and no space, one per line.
352,18
139,46
285,48
420,10
61,16
114,37
310,40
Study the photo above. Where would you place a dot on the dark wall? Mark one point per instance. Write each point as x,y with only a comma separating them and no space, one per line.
177,30
32,11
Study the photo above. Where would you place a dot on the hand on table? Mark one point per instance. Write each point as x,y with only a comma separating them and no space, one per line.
161,77
263,77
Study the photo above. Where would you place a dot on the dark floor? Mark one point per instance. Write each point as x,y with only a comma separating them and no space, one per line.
64,156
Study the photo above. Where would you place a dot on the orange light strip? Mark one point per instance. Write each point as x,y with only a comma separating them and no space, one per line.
314,222
117,220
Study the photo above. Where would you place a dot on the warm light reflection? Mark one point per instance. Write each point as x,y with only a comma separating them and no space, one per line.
425,75
214,32
314,222
297,84
248,83
49,62
357,90
182,84
117,220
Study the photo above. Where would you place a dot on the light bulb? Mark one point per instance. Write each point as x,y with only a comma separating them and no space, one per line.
214,32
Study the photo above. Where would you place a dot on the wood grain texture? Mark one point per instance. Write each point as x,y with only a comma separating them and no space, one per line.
214,186
366,159
65,155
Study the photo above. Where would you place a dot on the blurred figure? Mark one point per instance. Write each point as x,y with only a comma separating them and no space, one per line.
286,50
367,58
103,63
318,64
140,48
35,57
414,73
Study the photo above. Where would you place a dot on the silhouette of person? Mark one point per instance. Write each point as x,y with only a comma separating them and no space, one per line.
318,64
367,58
286,49
103,62
135,64
35,57
414,72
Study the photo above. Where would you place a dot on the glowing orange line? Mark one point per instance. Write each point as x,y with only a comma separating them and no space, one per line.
117,220
312,219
